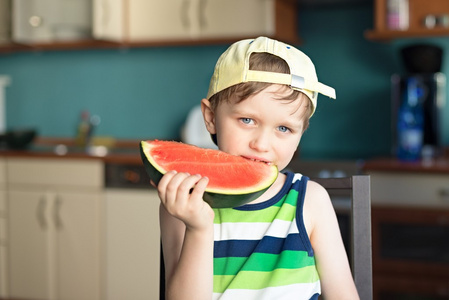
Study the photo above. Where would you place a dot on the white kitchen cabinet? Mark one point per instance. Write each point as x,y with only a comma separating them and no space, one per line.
3,232
120,20
150,20
236,18
54,228
410,189
41,21
132,244
5,21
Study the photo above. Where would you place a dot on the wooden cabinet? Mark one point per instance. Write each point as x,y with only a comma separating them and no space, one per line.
193,20
54,228
43,21
418,10
132,244
410,252
410,227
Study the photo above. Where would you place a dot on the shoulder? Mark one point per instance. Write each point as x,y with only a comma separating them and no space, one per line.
316,196
315,189
314,192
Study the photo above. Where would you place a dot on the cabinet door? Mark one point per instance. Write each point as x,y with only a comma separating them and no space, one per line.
236,18
33,20
5,24
30,250
53,245
142,20
155,19
132,244
76,221
108,20
50,20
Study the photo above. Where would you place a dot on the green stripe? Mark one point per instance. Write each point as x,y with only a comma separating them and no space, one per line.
259,280
286,212
292,197
262,262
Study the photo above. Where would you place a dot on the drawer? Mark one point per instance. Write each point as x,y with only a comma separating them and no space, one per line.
429,190
66,173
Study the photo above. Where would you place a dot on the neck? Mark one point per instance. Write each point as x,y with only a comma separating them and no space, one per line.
273,190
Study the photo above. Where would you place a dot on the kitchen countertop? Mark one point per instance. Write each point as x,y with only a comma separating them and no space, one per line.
127,152
122,152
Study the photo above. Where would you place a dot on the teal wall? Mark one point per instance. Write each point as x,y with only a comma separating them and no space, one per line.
146,93
357,124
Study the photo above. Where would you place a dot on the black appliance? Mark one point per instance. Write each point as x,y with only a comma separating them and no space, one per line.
433,87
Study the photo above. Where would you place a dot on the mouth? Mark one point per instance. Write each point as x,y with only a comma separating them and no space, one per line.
261,160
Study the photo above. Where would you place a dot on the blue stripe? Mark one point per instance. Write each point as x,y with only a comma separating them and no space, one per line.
271,245
234,248
300,216
258,206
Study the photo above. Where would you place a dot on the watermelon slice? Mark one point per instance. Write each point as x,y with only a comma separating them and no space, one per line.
233,180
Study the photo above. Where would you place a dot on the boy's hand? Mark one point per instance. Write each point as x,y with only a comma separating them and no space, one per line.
182,196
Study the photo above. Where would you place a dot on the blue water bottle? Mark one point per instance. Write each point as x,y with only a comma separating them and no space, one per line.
410,124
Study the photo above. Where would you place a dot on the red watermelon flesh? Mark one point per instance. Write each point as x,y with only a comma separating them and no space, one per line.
228,174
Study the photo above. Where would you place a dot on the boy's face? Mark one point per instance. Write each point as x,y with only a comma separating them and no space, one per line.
261,127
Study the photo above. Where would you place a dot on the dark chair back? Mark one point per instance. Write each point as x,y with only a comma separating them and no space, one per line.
358,187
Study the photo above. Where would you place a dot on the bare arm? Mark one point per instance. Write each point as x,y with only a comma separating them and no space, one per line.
332,263
187,237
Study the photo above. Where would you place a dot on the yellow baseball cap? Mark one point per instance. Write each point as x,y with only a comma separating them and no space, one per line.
233,68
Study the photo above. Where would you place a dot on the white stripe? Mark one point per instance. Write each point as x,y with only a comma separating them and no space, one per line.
254,231
296,177
288,292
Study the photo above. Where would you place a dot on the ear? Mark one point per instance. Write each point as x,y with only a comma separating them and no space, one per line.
208,115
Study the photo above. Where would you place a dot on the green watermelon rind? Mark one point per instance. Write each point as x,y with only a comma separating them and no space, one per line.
215,198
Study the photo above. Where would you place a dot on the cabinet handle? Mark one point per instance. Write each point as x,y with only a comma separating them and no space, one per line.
444,194
35,21
40,213
185,13
57,212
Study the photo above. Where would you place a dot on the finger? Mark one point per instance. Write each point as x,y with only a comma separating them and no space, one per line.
183,185
186,187
173,192
162,186
200,187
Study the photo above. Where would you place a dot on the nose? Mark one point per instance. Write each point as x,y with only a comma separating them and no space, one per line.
260,141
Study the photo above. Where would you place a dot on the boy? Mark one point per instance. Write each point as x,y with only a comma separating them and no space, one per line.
284,245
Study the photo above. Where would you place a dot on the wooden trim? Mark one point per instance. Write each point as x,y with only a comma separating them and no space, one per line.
440,165
418,9
286,21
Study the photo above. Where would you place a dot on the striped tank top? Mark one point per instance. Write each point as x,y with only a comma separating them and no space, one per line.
262,251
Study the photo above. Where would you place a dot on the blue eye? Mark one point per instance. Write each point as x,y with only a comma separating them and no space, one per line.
283,129
246,120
